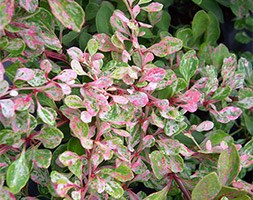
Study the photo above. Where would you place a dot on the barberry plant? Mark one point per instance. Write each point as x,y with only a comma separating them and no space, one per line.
130,106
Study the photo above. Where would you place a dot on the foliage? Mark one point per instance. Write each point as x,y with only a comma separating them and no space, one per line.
93,109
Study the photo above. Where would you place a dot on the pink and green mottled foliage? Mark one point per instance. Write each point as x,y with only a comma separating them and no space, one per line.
92,110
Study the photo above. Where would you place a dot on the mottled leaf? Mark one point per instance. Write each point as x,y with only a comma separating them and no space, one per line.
69,13
123,173
227,114
45,115
50,137
4,86
188,64
78,127
61,183
205,126
17,174
7,11
114,189
29,5
168,45
207,188
7,107
228,165
42,158
73,101
154,75
15,46
138,99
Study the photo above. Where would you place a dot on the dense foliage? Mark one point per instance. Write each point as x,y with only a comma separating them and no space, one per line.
108,100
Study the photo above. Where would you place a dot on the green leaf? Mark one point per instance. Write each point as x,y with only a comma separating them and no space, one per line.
73,101
50,137
228,165
199,24
7,136
164,22
3,42
114,189
69,13
197,1
232,193
123,173
161,195
103,19
17,174
91,10
213,29
207,188
45,115
144,1
243,37
92,46
188,65
221,93
218,54
42,158
15,46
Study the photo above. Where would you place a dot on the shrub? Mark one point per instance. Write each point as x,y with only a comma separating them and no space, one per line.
118,107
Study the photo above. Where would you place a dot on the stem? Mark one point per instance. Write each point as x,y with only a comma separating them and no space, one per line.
129,9
180,183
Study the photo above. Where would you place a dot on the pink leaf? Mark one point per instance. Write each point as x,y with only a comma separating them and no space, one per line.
136,10
148,57
227,114
121,132
33,37
162,104
7,107
119,99
66,89
24,74
125,56
46,65
139,99
1,71
190,98
23,103
205,126
145,25
7,8
66,75
153,7
97,56
29,5
102,82
86,117
148,141
75,54
154,74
